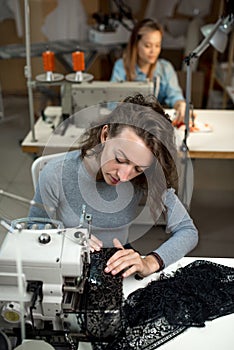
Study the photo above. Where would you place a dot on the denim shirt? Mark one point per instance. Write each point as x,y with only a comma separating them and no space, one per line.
169,89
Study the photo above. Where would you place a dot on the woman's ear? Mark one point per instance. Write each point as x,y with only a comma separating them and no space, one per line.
104,133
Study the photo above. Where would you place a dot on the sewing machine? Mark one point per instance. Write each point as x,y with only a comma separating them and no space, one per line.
114,32
44,274
43,270
55,263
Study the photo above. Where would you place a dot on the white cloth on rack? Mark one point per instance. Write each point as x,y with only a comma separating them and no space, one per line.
67,21
194,8
11,9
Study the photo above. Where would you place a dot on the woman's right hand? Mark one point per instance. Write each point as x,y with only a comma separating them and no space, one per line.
95,244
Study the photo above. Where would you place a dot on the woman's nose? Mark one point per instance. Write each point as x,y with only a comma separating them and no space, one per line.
125,172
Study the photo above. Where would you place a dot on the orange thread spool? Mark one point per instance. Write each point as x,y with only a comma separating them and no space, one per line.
78,61
48,61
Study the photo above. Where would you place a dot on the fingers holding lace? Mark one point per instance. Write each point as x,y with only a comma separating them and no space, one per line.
129,262
95,244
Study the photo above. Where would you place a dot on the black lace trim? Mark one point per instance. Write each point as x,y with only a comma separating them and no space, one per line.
153,315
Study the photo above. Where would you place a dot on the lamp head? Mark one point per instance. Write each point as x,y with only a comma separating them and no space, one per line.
220,37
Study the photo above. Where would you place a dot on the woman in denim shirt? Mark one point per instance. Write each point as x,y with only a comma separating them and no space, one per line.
140,62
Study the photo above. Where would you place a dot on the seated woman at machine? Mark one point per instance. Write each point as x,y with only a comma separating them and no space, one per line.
141,62
128,154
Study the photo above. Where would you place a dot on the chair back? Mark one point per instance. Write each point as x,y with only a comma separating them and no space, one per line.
39,164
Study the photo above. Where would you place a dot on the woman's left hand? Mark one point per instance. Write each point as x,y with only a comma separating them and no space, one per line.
130,262
180,107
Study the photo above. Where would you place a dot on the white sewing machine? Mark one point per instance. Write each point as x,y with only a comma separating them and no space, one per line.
42,277
54,267
117,32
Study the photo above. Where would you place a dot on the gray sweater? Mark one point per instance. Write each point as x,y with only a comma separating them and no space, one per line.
65,185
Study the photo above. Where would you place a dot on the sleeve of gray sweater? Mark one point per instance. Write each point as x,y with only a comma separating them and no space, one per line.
184,234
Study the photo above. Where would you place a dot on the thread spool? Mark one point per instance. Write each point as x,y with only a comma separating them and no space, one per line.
78,61
48,61
48,58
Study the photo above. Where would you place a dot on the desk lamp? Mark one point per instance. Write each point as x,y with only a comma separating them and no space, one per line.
216,35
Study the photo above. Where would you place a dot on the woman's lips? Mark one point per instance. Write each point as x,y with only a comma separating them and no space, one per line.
113,180
152,58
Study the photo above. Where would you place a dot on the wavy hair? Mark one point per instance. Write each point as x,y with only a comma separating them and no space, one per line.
149,121
130,54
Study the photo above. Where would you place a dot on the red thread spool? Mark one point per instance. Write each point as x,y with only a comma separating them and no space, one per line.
48,61
78,61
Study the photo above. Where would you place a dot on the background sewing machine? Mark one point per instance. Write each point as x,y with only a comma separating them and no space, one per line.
75,97
114,31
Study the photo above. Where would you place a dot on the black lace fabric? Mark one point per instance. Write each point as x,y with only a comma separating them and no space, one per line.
165,308
196,293
101,319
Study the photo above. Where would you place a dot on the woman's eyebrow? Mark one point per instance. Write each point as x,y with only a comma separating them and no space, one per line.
126,158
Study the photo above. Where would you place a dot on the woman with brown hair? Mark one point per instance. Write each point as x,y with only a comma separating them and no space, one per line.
141,62
123,156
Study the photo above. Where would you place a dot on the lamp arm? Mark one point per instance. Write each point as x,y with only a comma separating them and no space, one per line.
188,101
188,60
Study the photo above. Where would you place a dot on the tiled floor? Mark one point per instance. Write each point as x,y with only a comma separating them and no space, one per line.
212,206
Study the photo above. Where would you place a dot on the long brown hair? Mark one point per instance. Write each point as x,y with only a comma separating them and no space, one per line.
149,121
130,54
